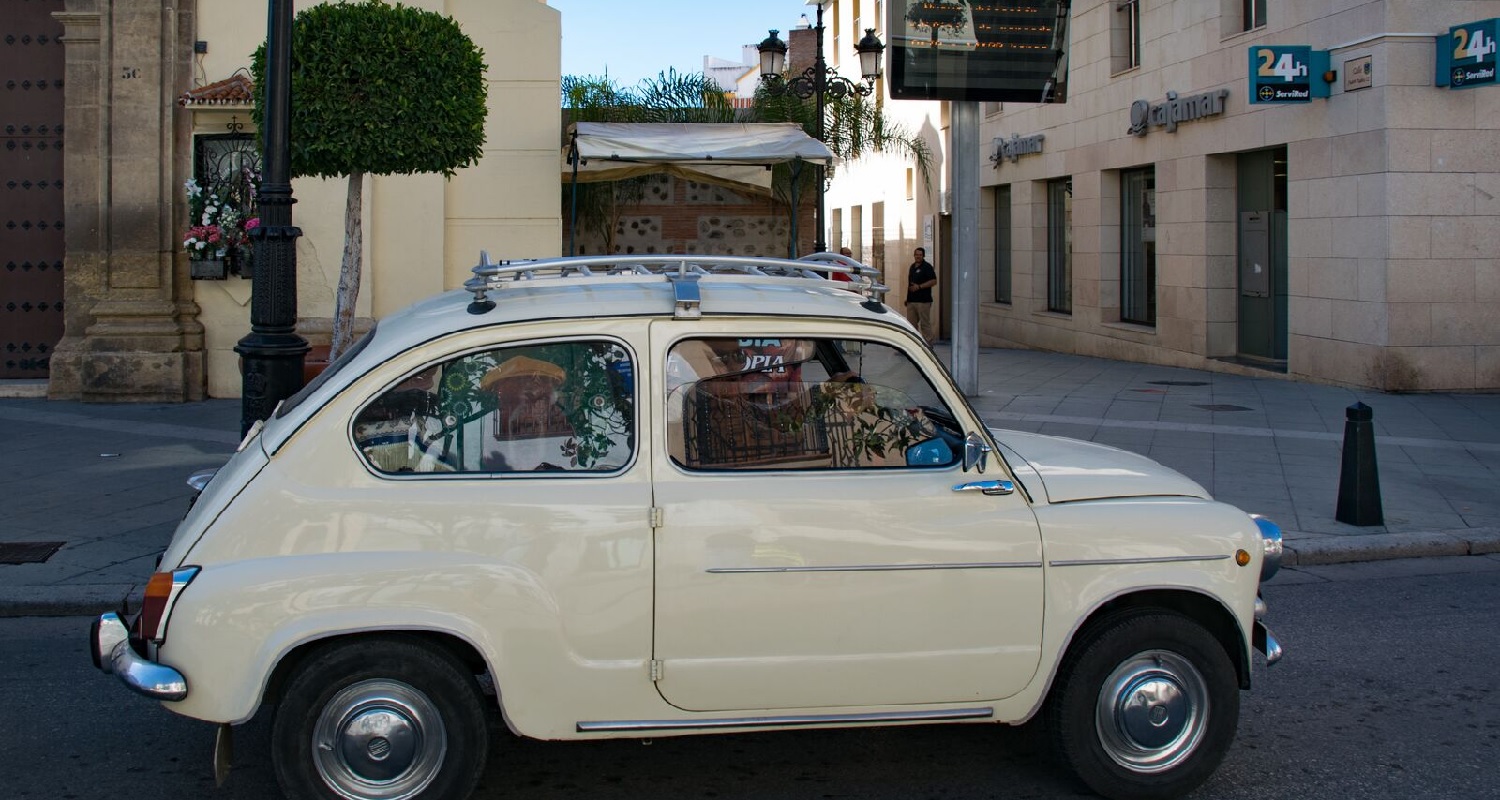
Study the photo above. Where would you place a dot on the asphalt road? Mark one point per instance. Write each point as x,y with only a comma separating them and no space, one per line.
1387,691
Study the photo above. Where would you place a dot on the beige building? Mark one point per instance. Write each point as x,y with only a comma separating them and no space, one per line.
881,206
1160,216
136,325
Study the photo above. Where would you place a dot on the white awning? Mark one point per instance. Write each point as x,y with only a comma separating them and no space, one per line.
736,155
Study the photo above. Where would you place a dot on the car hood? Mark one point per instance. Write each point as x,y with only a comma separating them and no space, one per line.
1070,470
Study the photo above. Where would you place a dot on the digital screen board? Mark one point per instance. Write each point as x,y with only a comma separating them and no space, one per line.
1007,51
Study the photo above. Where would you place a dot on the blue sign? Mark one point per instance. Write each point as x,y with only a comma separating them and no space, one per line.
1282,74
1466,56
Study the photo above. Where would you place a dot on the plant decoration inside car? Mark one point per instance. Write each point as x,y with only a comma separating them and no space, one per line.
580,392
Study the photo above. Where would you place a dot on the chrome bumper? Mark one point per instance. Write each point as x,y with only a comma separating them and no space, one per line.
113,654
1266,643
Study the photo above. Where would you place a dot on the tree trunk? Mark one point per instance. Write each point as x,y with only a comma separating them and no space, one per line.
349,268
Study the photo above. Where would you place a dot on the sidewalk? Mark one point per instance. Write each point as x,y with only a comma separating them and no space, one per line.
108,480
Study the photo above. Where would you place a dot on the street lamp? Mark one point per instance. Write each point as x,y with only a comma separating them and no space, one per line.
272,353
822,83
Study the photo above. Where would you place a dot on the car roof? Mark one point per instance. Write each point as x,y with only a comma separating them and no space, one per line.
683,287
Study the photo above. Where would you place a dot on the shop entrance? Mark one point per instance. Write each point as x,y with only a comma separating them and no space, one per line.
1262,254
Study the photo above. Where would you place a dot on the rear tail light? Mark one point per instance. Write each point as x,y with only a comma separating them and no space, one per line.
161,594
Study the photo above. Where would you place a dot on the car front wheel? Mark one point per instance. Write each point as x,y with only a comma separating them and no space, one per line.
1145,707
379,719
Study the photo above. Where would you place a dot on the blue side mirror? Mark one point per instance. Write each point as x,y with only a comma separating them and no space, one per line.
931,453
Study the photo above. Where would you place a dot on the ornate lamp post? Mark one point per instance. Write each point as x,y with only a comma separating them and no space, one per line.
272,352
822,83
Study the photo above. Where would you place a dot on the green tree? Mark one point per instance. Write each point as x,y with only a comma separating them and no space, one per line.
383,90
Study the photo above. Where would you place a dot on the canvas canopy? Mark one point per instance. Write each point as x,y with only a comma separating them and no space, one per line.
735,155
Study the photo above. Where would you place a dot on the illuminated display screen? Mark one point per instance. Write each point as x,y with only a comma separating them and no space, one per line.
982,50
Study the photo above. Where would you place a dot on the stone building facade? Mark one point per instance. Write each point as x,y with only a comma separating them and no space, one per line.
676,215
1161,216
137,327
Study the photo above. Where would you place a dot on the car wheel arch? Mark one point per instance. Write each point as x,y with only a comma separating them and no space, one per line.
465,651
1202,608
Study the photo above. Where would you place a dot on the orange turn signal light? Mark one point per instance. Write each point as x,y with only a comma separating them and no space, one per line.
1242,558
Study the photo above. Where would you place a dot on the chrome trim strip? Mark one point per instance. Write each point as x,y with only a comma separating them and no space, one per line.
879,567
140,675
761,722
1098,562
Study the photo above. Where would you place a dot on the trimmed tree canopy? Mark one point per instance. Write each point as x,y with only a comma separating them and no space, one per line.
380,89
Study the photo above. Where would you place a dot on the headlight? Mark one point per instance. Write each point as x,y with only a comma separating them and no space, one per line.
1270,536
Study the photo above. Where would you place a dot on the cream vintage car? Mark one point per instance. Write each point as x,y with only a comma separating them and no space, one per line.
640,497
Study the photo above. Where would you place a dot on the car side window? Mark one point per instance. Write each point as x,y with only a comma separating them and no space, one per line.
564,407
803,403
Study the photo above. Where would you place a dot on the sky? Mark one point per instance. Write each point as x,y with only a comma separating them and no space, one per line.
636,40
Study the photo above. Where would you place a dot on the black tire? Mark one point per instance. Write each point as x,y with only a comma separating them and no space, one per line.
1145,706
424,730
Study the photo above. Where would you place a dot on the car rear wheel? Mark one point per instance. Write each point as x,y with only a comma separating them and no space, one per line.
1145,706
379,719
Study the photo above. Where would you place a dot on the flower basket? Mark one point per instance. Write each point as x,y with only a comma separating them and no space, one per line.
220,218
208,269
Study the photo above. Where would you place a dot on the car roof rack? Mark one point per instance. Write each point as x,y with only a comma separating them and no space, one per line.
683,271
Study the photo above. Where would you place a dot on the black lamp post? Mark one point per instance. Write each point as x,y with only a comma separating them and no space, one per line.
271,354
820,82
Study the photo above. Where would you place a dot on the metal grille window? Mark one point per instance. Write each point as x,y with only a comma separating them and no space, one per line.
230,163
1125,36
1060,246
1138,246
1254,13
1002,244
226,168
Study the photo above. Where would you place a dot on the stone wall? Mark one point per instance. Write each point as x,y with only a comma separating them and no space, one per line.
677,215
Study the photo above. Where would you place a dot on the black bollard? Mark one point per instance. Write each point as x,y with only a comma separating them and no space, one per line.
1359,480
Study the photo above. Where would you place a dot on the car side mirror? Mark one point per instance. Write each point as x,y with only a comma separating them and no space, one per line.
931,453
976,452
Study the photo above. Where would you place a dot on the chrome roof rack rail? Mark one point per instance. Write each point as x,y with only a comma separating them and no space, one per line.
684,271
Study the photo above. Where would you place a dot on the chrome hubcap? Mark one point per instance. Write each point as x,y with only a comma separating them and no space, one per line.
379,740
1152,711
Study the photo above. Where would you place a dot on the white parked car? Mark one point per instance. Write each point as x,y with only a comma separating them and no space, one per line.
640,497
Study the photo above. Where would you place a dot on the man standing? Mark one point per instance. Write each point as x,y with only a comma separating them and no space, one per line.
920,278
844,276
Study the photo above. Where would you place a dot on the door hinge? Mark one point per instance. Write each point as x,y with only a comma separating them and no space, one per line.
655,516
656,670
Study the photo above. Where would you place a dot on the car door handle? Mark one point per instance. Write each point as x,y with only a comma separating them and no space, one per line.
991,488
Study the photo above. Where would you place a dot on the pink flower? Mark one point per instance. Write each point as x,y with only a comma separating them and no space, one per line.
252,223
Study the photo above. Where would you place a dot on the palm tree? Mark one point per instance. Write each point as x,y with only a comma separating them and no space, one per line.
853,128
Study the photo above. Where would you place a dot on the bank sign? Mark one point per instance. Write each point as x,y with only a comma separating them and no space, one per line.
1466,56
1283,74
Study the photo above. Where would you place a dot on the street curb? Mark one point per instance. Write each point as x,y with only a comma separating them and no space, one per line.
23,390
75,601
69,601
1383,546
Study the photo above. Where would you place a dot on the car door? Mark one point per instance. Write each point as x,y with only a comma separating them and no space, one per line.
805,560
